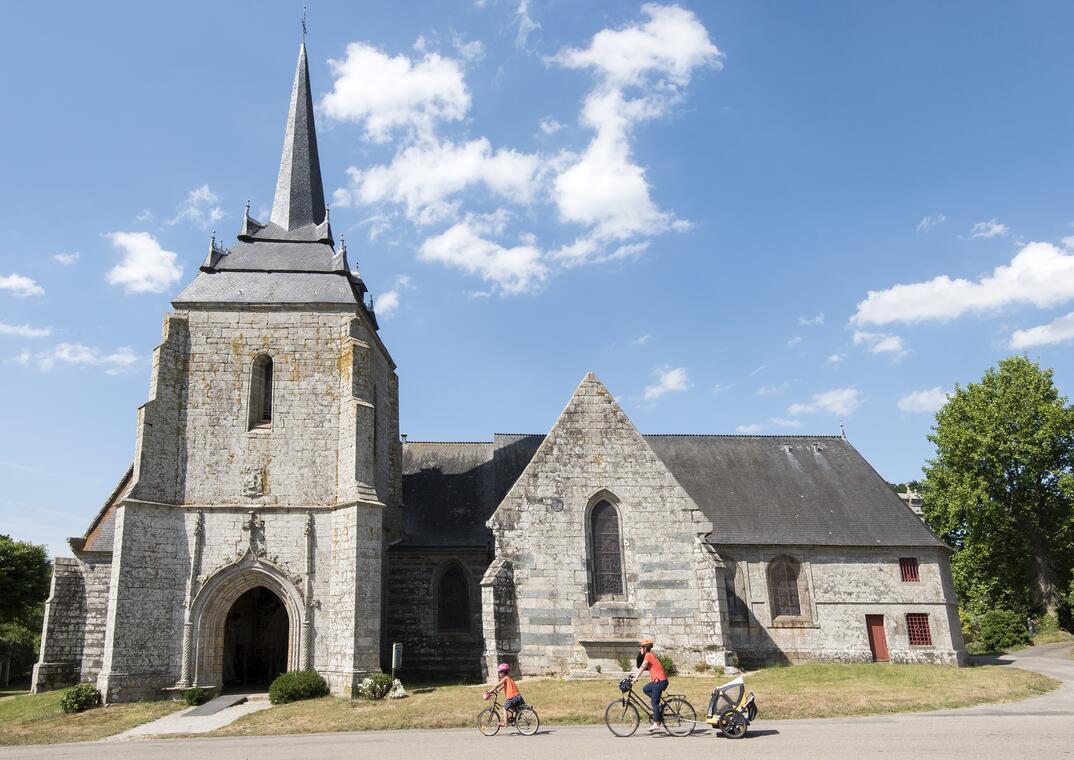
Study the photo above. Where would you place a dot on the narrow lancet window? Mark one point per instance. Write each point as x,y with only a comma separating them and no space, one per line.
261,392
606,549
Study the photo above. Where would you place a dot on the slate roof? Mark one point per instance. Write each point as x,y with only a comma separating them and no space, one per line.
755,489
268,287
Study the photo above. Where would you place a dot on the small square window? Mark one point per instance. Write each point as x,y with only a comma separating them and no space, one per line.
908,566
917,625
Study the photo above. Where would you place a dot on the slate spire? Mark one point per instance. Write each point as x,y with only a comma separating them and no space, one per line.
299,197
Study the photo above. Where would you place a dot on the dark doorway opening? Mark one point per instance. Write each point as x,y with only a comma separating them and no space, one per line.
255,639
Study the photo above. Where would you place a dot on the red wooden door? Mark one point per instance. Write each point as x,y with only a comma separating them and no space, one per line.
878,641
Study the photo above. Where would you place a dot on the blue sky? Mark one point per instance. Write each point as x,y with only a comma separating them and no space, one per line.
745,216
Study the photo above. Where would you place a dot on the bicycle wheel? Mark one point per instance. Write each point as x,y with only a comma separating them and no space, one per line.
679,716
621,718
732,724
488,721
526,721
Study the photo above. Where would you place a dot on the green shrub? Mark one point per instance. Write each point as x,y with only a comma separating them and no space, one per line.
1047,624
80,698
598,668
195,696
702,667
297,685
668,664
375,687
19,644
624,663
1000,630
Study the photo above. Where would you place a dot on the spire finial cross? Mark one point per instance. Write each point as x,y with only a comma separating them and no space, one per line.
305,15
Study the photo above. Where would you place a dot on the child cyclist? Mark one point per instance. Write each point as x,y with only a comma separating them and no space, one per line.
512,700
659,680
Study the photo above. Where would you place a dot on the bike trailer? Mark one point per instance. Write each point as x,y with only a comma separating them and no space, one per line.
731,696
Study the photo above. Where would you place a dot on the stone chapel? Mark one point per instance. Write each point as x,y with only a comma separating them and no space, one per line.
274,519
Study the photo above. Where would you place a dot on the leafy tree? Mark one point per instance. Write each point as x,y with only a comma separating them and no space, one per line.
1001,491
25,570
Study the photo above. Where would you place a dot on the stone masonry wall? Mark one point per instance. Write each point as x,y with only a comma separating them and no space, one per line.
839,586
411,601
673,582
60,660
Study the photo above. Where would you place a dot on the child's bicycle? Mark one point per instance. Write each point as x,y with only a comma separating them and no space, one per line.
623,715
732,710
523,718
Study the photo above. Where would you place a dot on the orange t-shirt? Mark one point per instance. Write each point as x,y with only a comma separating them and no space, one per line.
656,670
509,688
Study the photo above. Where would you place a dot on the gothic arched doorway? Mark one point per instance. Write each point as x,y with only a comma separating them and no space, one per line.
255,639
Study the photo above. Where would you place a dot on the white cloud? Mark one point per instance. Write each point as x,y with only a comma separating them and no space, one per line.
880,343
77,354
24,331
989,229
1058,330
526,24
201,207
387,303
669,46
812,321
928,222
511,270
604,189
469,51
785,423
66,258
749,429
795,341
668,379
1039,274
385,93
774,389
145,215
923,401
550,126
20,286
759,370
146,267
718,388
838,401
1068,242
641,341
425,177
837,358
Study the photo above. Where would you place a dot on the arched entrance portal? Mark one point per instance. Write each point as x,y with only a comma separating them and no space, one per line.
246,621
255,639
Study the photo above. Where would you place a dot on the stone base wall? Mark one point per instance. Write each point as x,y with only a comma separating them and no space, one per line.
839,586
73,633
412,610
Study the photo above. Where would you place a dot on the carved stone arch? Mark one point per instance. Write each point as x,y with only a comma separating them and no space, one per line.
603,549
209,611
448,568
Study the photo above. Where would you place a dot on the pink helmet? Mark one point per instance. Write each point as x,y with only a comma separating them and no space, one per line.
504,667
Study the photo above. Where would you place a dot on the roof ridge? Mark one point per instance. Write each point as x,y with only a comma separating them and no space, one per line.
743,435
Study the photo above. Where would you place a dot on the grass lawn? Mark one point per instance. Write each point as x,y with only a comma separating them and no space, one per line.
38,719
802,691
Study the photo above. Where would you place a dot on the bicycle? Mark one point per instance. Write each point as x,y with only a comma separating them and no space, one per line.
623,715
524,719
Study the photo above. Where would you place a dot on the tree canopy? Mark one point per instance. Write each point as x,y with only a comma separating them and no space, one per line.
1000,489
24,571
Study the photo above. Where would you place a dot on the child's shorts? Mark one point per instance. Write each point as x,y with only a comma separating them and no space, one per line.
514,702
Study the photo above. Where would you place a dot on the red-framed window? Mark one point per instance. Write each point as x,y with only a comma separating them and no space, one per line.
908,567
917,625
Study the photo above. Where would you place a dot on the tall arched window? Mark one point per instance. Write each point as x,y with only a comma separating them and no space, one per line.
783,587
261,392
606,555
453,601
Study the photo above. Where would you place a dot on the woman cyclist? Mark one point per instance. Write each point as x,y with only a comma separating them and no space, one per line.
659,680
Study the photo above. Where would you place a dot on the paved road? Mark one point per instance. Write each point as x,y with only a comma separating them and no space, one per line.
1040,728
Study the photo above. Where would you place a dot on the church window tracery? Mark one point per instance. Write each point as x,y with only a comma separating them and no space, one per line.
783,585
606,556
